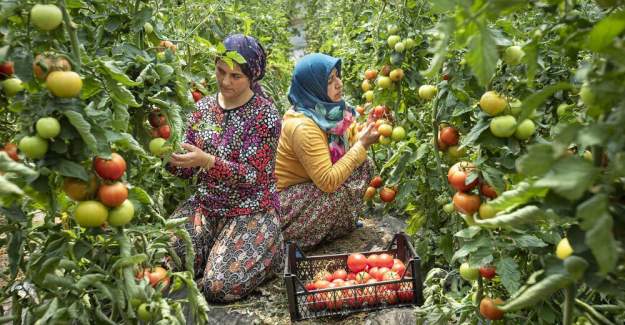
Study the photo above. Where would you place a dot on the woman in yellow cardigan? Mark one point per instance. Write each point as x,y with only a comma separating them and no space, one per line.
322,167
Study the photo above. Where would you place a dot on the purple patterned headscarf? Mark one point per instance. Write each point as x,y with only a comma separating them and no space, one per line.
256,59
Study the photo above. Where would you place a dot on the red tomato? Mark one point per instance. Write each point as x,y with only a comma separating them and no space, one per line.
449,136
376,182
488,191
335,298
11,150
378,111
386,260
351,276
113,195
158,275
363,277
196,96
488,272
373,260
466,203
111,169
489,309
390,276
399,267
156,119
388,297
315,302
322,275
340,274
381,272
6,69
356,262
322,284
310,286
458,174
374,272
164,131
387,194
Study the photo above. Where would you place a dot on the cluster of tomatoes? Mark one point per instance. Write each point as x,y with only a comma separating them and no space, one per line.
488,306
361,270
154,276
463,177
160,132
387,194
503,123
447,140
112,205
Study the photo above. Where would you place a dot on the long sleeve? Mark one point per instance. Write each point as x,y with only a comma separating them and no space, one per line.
256,162
311,148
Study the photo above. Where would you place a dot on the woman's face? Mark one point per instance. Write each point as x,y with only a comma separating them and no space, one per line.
232,82
335,86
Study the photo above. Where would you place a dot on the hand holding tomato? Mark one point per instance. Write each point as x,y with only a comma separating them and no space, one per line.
368,136
195,157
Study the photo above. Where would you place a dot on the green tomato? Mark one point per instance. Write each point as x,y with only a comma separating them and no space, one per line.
122,214
456,153
469,273
515,107
158,147
46,17
33,147
487,211
392,40
525,130
564,249
586,95
513,55
409,43
392,29
398,133
563,109
368,96
400,47
144,313
503,126
384,140
384,82
148,28
449,208
12,86
91,214
427,92
48,127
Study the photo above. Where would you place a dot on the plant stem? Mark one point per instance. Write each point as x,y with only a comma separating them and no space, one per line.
73,36
567,308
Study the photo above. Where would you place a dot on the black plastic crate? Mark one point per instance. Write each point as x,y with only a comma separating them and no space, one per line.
304,304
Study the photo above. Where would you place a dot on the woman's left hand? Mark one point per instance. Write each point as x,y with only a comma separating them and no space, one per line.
195,157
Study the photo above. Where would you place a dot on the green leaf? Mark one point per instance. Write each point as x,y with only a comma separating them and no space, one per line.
600,239
120,93
538,160
529,241
118,75
8,188
524,215
520,195
236,57
594,134
71,169
482,55
129,261
604,32
468,232
120,116
8,165
83,127
569,177
479,127
140,195
531,103
494,177
165,73
445,27
471,247
510,276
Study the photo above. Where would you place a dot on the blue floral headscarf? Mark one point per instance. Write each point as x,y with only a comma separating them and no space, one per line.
255,57
309,95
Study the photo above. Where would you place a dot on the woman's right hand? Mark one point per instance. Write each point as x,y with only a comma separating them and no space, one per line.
369,135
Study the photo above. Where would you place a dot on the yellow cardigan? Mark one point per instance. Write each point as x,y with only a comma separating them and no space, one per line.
303,155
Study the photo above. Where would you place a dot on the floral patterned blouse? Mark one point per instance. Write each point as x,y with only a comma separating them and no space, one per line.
243,141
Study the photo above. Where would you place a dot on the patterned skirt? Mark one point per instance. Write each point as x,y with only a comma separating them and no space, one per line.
232,255
309,215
